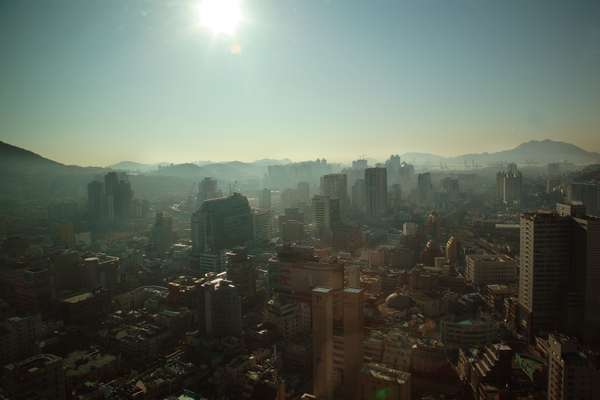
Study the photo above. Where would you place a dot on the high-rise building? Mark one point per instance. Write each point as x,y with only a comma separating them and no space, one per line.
560,266
359,195
303,192
264,199
242,272
360,164
353,340
326,214
572,375
223,308
207,189
424,188
544,270
295,271
162,233
584,273
221,223
560,273
111,200
508,185
262,223
335,186
395,196
96,200
376,191
322,334
209,261
588,194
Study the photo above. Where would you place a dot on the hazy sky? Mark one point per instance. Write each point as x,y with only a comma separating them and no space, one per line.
95,82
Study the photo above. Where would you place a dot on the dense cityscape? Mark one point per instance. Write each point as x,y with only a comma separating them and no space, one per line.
299,200
318,281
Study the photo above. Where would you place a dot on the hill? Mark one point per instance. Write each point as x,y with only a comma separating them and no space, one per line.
534,152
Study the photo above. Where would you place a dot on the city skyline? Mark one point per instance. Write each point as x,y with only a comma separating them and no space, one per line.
98,83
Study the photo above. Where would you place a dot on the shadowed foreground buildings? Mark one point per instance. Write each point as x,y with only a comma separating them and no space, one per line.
571,372
560,273
37,377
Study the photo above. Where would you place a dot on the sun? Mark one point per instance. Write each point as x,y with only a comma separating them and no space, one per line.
221,17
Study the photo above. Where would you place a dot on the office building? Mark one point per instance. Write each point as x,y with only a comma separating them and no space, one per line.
335,186
221,223
353,340
508,185
588,194
326,214
291,231
560,273
207,189
359,195
162,236
242,272
544,270
262,225
264,199
209,261
376,191
223,308
96,200
487,269
303,192
112,200
322,334
424,188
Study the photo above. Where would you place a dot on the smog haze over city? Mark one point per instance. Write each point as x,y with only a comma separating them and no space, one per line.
98,82
299,200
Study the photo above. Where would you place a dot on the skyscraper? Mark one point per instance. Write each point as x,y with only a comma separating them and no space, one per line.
162,233
322,334
262,223
207,189
393,165
508,185
544,270
560,273
376,191
111,200
424,188
353,340
264,199
588,194
221,223
303,192
96,200
335,186
326,213
359,195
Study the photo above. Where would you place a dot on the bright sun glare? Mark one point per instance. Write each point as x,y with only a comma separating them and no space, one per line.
221,17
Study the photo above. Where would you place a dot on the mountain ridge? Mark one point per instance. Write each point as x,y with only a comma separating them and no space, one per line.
530,152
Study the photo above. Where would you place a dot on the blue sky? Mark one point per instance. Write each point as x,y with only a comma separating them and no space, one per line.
96,82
